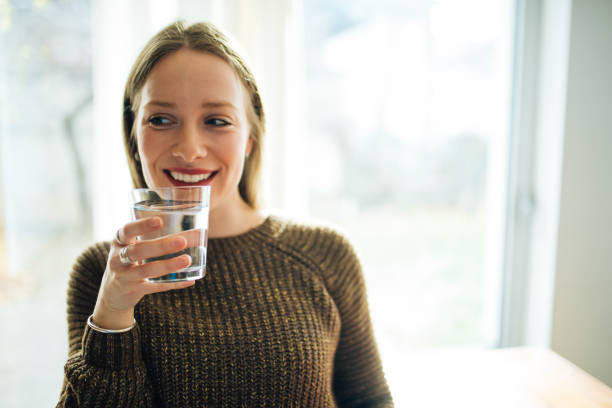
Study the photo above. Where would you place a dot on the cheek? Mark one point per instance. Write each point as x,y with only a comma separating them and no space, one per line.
232,151
150,147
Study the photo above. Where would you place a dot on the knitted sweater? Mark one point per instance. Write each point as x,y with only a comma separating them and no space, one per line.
279,320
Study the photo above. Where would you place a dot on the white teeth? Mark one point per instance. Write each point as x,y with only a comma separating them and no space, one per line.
189,178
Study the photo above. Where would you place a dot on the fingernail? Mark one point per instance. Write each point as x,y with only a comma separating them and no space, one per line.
154,222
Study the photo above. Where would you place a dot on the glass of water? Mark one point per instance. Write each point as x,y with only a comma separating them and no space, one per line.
184,212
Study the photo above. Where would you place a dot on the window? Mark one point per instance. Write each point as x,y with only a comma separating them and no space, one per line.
405,113
45,134
407,126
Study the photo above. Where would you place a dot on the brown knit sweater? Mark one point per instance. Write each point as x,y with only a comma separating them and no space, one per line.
280,320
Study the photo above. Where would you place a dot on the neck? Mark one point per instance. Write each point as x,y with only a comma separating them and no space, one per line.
233,219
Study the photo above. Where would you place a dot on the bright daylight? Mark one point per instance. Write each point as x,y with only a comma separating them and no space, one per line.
390,203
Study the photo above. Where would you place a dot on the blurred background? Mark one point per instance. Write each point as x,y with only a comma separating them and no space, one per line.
462,146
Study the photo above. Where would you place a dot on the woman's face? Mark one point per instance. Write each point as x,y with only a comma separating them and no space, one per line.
192,127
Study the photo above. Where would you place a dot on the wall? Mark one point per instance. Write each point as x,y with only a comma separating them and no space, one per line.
582,326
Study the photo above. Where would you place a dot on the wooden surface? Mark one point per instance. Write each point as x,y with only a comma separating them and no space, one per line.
515,377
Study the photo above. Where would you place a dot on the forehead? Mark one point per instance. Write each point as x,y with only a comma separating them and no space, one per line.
193,77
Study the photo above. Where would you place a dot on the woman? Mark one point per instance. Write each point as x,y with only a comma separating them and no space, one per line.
281,318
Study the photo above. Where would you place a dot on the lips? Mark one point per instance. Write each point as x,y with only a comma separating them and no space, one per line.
190,177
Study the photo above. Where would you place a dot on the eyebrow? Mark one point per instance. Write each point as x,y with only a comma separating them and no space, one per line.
220,104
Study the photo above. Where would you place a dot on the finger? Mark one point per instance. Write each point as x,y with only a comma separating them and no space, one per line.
131,230
194,237
156,247
117,240
166,286
120,238
115,261
161,268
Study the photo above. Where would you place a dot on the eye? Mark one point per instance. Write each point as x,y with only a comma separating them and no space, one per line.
217,122
159,121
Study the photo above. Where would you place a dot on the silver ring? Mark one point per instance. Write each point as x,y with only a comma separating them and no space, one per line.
118,240
124,258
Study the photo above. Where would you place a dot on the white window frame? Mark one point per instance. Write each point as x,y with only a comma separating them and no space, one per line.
541,61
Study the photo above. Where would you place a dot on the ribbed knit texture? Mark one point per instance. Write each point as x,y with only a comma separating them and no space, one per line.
280,320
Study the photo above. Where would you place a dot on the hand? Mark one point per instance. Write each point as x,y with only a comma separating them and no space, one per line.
123,286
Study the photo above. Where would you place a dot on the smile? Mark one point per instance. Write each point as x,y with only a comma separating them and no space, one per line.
189,178
185,177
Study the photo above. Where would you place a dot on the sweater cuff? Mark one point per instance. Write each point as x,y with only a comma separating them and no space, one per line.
112,351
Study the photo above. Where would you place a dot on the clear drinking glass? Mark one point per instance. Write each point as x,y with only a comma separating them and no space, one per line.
184,212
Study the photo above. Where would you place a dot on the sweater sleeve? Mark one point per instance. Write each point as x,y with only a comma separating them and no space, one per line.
103,370
358,375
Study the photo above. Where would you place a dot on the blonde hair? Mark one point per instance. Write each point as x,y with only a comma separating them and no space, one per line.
206,38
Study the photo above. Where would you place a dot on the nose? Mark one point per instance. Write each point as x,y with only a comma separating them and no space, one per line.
190,144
